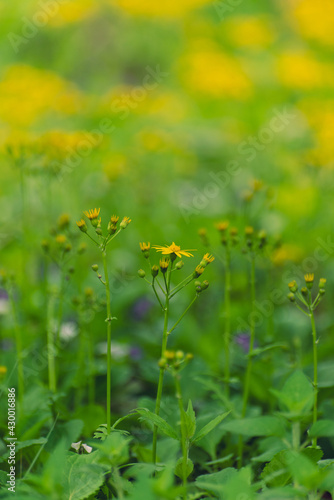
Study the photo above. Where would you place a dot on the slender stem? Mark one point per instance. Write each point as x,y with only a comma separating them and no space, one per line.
184,313
106,277
51,344
18,341
227,332
250,357
157,296
91,378
61,303
296,435
184,444
181,285
162,370
315,374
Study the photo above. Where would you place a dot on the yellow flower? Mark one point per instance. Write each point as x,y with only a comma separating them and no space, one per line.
208,258
3,370
82,225
60,238
164,263
114,219
125,222
173,249
249,230
92,214
145,246
222,226
198,271
309,278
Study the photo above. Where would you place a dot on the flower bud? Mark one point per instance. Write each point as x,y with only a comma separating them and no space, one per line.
141,273
322,283
304,291
293,286
95,268
204,285
198,271
179,264
291,297
309,280
162,363
179,355
154,271
98,231
125,222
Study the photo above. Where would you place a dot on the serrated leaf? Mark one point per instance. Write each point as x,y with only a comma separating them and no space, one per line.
322,428
162,425
210,426
190,421
179,468
256,426
213,482
297,394
84,476
114,449
275,473
304,470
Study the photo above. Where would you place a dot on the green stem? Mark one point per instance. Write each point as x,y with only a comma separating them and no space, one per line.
106,277
182,315
18,341
250,357
60,304
91,378
184,444
315,374
227,332
162,370
51,344
296,435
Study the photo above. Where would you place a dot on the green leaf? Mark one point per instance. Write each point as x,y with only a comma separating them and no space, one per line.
84,476
209,427
260,350
30,442
114,449
297,394
275,472
162,425
190,420
322,428
179,468
212,483
304,470
256,426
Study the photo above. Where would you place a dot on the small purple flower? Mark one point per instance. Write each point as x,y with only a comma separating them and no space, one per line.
243,340
136,353
140,308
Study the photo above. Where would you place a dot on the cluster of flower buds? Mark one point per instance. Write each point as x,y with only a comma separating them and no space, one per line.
228,235
93,216
254,241
174,360
63,241
304,295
